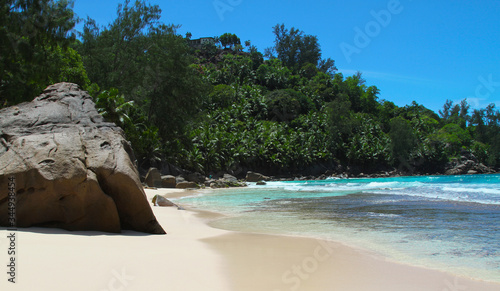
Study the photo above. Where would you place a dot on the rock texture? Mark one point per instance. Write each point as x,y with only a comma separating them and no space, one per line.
467,164
229,178
195,177
168,181
256,177
187,185
153,178
224,182
72,169
159,200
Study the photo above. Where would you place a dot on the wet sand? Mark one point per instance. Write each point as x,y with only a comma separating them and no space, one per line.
195,256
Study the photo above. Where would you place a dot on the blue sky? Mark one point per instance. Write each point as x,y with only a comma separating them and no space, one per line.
412,50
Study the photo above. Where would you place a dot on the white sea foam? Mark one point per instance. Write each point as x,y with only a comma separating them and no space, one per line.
383,219
474,189
477,195
424,187
388,215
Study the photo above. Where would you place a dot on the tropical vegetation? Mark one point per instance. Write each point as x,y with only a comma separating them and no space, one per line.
225,108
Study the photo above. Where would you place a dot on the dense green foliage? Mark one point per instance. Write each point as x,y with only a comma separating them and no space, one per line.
296,50
35,48
229,40
220,108
149,63
143,136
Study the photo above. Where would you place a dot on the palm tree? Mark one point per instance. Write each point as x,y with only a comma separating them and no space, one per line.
114,108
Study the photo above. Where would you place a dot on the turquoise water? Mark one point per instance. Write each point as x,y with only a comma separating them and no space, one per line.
449,223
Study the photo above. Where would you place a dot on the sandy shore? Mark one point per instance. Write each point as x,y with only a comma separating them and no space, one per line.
266,262
194,256
60,260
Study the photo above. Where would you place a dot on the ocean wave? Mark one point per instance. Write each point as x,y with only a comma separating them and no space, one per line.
387,215
479,195
473,189
460,188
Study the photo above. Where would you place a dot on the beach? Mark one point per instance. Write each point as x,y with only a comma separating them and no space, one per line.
196,256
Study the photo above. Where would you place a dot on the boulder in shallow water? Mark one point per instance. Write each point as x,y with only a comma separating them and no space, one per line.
72,169
256,177
159,200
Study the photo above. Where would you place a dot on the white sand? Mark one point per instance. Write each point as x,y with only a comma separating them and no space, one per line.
61,260
194,256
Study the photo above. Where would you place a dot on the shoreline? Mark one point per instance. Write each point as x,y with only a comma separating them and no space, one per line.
195,256
258,261
374,175
56,259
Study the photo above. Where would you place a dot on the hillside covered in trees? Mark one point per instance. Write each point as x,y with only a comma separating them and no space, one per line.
226,107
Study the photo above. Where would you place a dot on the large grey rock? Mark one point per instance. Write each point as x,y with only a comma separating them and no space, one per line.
187,185
196,177
72,169
256,177
467,166
229,178
159,200
153,178
225,182
168,181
